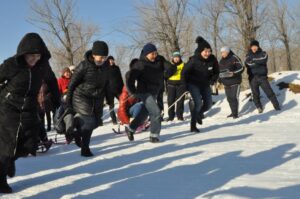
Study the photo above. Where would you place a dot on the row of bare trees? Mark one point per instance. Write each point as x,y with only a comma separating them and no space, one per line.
67,37
174,24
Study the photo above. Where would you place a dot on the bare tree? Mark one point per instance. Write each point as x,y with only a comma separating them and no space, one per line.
68,38
167,23
211,12
247,17
280,21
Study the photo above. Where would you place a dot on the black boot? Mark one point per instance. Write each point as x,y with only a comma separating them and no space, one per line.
231,115
4,164
113,117
194,127
129,133
4,187
154,139
77,139
86,152
85,144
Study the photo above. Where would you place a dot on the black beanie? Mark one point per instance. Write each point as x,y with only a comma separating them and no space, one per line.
148,48
254,43
202,44
100,48
110,57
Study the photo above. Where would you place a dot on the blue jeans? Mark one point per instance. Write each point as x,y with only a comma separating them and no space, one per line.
135,109
202,99
139,113
154,113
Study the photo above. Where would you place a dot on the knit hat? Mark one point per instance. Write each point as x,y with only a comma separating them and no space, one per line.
254,43
225,49
110,57
72,68
202,44
176,54
148,48
100,48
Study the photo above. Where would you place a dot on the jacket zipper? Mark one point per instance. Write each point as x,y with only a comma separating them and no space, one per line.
22,108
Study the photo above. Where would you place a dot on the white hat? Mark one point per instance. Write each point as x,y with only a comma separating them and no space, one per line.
225,49
72,67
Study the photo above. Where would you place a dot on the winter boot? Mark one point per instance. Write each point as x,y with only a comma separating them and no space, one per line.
194,127
4,187
86,152
260,110
180,118
129,133
231,115
4,164
154,139
85,144
113,117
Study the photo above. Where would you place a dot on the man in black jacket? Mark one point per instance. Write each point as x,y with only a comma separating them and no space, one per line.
256,63
148,72
86,92
231,69
201,70
114,87
22,76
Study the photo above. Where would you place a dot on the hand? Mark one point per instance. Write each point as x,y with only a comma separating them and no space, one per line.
230,74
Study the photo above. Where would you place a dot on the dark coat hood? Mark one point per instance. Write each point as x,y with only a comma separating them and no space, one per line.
32,43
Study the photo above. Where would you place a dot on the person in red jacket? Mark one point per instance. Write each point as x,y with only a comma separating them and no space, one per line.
64,80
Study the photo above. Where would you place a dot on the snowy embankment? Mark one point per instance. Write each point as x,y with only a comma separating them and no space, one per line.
254,156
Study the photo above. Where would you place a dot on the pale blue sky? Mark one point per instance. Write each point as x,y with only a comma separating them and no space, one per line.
107,14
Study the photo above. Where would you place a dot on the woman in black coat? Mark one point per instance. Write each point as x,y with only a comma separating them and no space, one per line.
22,76
86,93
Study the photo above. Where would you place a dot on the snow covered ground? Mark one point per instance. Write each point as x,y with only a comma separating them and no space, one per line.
255,156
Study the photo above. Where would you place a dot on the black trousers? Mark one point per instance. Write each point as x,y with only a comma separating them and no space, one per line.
174,93
160,100
110,101
232,93
262,81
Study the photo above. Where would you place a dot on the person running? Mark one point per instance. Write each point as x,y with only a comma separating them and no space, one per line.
113,88
176,89
22,76
86,93
256,63
148,72
231,69
131,107
201,70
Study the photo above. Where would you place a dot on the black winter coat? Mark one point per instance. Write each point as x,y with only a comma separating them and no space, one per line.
149,75
87,87
256,63
200,72
116,84
19,122
231,63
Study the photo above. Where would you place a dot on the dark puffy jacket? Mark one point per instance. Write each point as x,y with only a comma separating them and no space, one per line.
231,63
87,86
256,63
200,71
18,97
115,80
149,75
